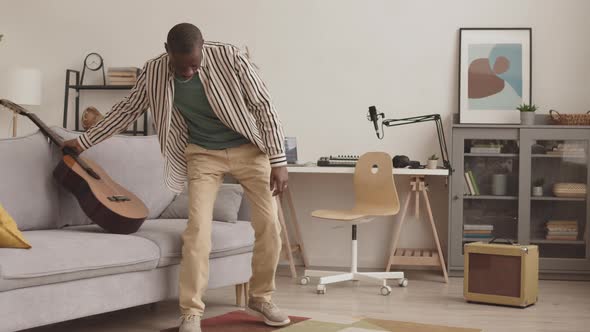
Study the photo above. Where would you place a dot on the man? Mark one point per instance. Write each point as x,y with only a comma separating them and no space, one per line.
213,115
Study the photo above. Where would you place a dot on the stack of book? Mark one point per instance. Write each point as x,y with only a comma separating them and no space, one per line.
471,186
562,230
122,75
477,232
485,148
568,150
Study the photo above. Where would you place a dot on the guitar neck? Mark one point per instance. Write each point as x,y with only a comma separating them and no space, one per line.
58,140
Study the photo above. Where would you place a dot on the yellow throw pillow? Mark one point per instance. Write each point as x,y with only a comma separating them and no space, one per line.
10,236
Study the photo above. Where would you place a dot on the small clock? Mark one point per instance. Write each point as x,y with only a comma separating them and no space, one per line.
93,62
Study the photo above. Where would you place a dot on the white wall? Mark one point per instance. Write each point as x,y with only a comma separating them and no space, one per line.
325,62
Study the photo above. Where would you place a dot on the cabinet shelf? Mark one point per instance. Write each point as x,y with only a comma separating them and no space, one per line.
505,198
498,155
556,156
552,198
543,241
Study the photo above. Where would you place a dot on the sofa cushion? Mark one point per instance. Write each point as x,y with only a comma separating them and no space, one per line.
135,162
226,208
26,180
63,255
226,238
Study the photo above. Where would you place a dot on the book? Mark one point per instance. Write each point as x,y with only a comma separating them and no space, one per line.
477,231
474,182
562,233
562,238
469,184
468,227
477,236
474,149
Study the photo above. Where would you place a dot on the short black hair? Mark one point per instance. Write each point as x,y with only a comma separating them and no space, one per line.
183,38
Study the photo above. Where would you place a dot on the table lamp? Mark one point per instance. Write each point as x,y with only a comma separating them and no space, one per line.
23,87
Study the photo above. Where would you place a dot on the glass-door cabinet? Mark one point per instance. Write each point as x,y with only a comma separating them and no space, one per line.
554,181
522,184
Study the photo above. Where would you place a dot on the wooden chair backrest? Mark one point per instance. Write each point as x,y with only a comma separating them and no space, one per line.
374,185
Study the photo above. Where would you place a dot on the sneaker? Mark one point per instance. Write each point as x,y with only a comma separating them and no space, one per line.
190,323
272,315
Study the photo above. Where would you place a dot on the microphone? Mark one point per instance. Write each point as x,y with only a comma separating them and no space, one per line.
374,117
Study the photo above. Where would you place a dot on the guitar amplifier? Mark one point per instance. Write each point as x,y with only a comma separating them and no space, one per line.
505,274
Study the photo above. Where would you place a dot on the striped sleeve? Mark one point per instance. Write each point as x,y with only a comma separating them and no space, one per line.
121,115
260,105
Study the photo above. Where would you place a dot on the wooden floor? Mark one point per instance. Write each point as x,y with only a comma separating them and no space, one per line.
563,306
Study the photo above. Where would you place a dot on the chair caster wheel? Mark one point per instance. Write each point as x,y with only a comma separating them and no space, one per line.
385,290
403,282
321,290
304,280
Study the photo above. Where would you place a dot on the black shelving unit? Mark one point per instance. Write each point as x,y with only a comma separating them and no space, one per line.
79,87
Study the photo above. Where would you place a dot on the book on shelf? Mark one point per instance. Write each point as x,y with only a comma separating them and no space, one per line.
473,227
483,231
469,183
561,238
559,233
476,149
477,236
474,182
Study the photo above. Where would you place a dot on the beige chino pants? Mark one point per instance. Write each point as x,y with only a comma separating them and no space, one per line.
206,169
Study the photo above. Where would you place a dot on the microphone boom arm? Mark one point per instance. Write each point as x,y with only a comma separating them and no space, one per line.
424,118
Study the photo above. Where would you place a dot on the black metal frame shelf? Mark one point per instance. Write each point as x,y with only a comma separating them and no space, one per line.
77,86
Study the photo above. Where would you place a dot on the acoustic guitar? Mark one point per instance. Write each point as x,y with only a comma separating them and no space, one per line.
103,200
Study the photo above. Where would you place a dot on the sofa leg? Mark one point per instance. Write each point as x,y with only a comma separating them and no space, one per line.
246,292
239,290
242,289
153,306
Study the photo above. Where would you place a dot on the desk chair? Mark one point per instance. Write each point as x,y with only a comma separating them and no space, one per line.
375,195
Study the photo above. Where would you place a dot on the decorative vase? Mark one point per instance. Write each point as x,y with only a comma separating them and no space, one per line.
527,118
538,191
499,184
432,164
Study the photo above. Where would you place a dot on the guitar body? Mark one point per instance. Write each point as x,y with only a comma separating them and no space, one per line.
104,201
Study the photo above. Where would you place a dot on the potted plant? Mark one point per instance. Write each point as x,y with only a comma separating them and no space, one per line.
432,162
538,187
527,114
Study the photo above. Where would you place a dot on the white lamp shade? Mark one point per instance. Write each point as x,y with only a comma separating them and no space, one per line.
21,86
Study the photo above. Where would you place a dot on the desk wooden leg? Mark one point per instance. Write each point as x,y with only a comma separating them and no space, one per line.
397,231
287,242
239,290
294,221
435,234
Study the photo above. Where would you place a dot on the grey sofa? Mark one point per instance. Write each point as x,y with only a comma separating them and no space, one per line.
75,269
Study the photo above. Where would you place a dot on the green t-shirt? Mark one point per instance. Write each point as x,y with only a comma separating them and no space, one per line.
204,127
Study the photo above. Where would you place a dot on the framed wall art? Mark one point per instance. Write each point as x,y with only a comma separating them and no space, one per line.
495,74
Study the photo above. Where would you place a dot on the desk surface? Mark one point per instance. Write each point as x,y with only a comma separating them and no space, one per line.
350,170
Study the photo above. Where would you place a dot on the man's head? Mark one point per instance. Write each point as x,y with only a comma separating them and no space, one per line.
184,46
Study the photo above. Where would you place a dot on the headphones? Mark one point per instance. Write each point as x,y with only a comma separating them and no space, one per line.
401,161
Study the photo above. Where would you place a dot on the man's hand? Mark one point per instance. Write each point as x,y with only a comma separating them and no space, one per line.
278,180
73,144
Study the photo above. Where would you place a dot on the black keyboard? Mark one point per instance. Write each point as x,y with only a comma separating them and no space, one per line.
339,160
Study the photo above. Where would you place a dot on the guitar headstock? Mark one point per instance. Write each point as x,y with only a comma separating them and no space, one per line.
13,107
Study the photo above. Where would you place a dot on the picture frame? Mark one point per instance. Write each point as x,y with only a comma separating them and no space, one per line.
495,74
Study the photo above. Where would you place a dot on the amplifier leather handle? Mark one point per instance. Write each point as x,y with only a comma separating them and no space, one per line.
493,240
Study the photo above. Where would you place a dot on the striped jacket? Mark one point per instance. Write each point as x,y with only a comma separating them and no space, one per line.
236,93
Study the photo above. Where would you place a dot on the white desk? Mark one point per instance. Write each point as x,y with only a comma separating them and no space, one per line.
345,170
397,256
